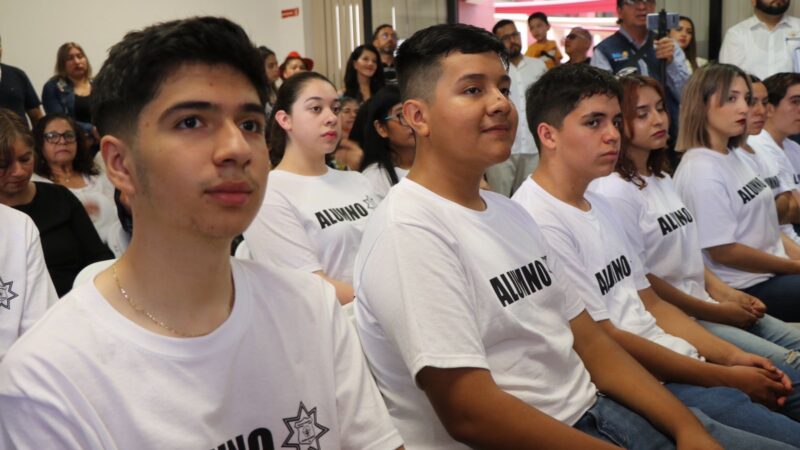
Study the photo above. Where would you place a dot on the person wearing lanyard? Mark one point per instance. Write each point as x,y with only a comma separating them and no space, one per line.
765,43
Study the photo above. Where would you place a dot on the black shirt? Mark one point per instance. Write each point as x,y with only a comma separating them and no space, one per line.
16,91
83,112
69,239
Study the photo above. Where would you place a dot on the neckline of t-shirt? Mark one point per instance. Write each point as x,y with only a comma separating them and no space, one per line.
221,339
485,214
329,172
554,199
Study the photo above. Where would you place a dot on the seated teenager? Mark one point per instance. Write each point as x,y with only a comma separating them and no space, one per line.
69,240
313,216
577,122
473,336
388,142
734,208
662,233
782,93
25,287
178,345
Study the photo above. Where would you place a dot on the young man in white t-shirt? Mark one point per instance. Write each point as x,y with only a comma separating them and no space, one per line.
577,124
177,345
473,335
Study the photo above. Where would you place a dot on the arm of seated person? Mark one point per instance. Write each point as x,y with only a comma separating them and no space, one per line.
749,259
477,413
729,313
790,247
618,375
344,291
784,207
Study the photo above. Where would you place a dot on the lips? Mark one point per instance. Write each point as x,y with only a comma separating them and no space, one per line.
660,134
231,193
499,128
330,135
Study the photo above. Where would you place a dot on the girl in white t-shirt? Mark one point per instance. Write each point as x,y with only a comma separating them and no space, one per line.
733,207
389,144
664,234
313,216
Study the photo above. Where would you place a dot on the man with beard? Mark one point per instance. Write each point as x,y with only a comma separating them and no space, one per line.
506,176
385,40
765,43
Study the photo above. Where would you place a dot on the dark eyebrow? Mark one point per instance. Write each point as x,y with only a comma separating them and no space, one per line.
594,115
794,97
480,77
208,106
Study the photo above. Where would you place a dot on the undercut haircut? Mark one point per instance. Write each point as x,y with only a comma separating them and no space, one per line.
419,59
139,64
558,92
500,24
778,85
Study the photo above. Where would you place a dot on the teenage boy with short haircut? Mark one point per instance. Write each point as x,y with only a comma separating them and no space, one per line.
177,345
460,305
576,121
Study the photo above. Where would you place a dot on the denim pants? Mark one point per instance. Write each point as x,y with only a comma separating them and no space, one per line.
781,294
773,339
609,421
734,408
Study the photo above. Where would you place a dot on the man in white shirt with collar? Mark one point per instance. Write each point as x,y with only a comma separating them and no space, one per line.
765,43
506,176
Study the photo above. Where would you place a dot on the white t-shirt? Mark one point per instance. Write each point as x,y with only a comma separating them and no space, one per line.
523,76
730,204
659,229
440,285
600,265
755,48
312,223
98,199
775,169
792,151
379,178
25,287
285,369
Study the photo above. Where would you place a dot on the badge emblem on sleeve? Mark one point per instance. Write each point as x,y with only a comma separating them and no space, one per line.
304,431
6,294
620,56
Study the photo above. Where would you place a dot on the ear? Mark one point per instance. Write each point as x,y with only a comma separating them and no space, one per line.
118,159
548,135
284,120
381,129
770,110
417,117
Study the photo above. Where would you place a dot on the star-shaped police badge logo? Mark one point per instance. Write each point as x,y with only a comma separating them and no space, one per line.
304,431
370,202
6,294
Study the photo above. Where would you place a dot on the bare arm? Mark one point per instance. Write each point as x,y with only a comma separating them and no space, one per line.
619,376
749,259
791,247
476,412
784,207
344,291
728,313
721,292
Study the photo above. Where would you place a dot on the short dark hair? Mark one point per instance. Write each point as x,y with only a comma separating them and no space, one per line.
287,95
83,162
377,149
378,30
377,81
560,90
419,58
778,84
501,23
138,65
538,15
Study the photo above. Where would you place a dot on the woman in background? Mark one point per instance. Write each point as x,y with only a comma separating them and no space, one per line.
363,76
684,35
69,91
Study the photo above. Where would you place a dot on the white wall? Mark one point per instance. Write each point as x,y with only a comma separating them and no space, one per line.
32,30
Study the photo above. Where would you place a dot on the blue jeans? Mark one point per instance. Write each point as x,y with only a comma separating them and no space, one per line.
781,294
611,422
773,339
733,408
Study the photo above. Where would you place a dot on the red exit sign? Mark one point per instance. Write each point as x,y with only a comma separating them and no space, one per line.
291,12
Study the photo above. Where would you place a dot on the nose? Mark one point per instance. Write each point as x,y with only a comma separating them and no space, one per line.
331,118
232,148
612,133
499,103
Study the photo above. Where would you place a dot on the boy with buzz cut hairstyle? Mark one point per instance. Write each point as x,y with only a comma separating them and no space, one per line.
575,114
472,334
177,345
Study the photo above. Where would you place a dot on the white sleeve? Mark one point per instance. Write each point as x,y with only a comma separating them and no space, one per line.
575,271
364,420
707,198
277,237
733,49
415,286
40,293
629,212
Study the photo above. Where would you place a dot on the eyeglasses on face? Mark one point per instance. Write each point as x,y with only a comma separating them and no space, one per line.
53,137
510,36
398,117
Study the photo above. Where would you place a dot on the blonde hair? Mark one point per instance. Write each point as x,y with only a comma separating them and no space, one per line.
705,82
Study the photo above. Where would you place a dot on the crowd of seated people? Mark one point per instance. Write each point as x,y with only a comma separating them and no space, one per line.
637,287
